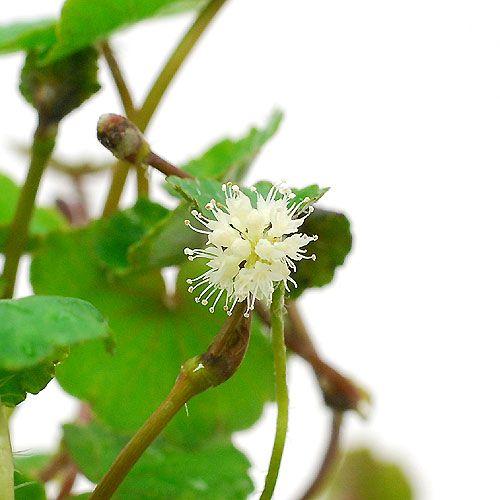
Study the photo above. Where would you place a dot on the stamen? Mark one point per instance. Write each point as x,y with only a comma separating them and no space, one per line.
212,309
201,231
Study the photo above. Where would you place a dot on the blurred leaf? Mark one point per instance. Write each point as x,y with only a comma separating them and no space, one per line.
164,245
332,247
364,476
85,22
44,220
56,89
152,342
216,471
230,158
28,35
117,233
26,488
35,333
32,464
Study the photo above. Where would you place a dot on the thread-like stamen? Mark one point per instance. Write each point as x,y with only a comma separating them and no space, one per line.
201,231
232,307
212,308
191,289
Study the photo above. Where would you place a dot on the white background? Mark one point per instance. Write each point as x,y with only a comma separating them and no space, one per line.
395,104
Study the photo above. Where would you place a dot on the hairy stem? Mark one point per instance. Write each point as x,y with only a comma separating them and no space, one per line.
215,366
43,145
279,352
142,117
330,459
6,462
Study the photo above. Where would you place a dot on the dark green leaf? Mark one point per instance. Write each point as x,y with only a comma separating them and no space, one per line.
56,89
365,476
116,234
230,159
27,35
35,334
152,342
217,470
44,220
332,247
85,22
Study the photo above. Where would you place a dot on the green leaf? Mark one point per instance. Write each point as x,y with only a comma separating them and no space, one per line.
117,233
201,191
85,22
44,220
31,464
152,341
35,334
28,35
164,245
56,89
216,471
26,488
365,476
231,158
332,247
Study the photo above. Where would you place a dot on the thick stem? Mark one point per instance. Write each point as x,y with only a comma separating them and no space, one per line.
215,366
6,461
330,461
175,61
279,352
43,145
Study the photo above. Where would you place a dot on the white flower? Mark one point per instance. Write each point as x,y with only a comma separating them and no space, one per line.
249,249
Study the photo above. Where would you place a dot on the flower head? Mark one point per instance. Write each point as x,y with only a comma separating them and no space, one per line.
250,249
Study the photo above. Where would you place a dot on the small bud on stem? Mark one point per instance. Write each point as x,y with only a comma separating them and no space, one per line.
126,142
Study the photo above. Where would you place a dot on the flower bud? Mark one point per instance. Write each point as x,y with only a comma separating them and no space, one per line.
122,138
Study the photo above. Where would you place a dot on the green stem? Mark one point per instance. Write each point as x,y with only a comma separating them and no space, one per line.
215,366
43,145
175,61
279,352
6,462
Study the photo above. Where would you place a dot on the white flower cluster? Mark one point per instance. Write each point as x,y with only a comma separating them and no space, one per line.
249,249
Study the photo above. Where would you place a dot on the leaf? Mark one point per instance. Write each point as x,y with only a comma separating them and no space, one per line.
26,488
28,35
215,471
230,158
201,191
56,89
31,464
116,234
35,333
164,245
365,476
152,342
85,22
332,247
44,220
